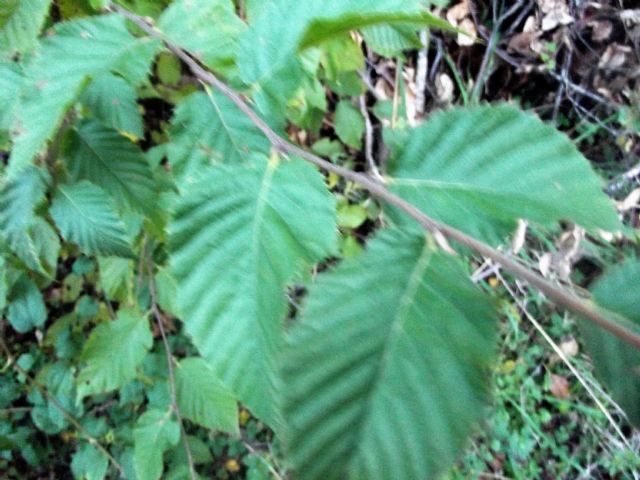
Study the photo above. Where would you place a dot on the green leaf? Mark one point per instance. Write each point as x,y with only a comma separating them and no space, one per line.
89,463
26,306
28,236
20,25
209,29
480,169
202,399
81,48
155,432
351,216
391,40
286,26
261,224
208,128
11,82
320,30
116,277
387,372
273,70
86,215
111,161
618,363
113,352
114,102
349,124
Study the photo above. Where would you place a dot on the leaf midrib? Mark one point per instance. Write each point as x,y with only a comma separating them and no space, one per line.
395,331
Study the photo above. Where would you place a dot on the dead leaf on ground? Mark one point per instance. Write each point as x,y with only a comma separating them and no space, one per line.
554,14
559,386
570,347
460,16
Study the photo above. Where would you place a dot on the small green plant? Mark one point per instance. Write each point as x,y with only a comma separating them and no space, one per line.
156,264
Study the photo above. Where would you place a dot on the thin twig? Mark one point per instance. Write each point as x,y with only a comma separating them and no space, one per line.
422,69
54,401
368,139
157,314
619,327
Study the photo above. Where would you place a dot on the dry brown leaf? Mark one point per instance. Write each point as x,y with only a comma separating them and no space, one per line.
570,347
600,30
631,16
559,386
444,88
614,57
555,13
460,16
469,27
631,201
459,11
518,238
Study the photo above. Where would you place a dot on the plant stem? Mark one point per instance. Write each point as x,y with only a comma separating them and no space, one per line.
620,327
172,380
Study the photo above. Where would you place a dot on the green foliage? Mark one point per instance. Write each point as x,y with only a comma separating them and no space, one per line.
209,29
20,24
53,86
85,215
113,102
110,161
128,197
617,363
202,399
207,128
407,342
466,167
113,352
155,432
263,240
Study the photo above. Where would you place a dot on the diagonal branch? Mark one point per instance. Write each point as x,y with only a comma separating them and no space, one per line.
613,323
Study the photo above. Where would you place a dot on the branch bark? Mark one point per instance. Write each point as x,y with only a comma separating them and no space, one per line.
609,321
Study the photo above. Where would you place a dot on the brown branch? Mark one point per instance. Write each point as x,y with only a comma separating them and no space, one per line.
54,401
157,314
619,327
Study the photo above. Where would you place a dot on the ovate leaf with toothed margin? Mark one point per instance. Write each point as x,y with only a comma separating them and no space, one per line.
21,24
240,235
114,103
480,169
111,161
387,372
81,48
29,237
11,81
618,363
86,215
208,128
26,306
113,352
202,399
155,432
209,29
89,463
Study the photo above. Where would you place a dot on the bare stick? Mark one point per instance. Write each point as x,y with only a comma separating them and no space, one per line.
54,401
620,327
172,381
